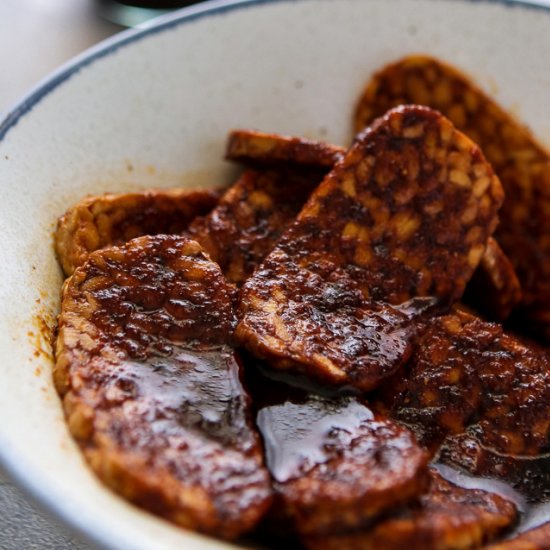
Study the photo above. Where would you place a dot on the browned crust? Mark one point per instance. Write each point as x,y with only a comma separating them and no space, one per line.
251,217
467,375
447,517
406,213
226,233
151,386
255,147
113,219
521,163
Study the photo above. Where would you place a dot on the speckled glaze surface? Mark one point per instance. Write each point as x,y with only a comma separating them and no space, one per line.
152,108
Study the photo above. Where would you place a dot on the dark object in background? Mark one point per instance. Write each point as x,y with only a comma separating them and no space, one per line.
157,4
131,13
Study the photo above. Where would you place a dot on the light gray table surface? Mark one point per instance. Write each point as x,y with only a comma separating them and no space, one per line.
23,527
36,36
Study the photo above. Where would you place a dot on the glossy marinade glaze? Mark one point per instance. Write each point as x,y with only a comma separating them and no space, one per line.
405,214
152,388
468,375
334,465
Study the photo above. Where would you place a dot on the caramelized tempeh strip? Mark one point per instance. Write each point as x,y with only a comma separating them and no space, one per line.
251,217
447,517
334,465
151,385
406,213
467,375
521,163
235,236
275,150
111,219
494,289
534,539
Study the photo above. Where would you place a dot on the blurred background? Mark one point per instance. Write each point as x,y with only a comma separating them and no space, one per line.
36,36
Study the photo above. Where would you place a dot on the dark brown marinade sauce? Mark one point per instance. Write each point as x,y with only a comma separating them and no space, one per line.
467,375
406,213
334,465
251,217
152,387
529,475
349,341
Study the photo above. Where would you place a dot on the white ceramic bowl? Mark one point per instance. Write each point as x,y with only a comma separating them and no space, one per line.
152,108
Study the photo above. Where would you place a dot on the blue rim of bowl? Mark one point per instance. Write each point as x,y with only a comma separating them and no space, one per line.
11,462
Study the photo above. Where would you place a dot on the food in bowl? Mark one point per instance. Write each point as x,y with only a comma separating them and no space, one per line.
294,357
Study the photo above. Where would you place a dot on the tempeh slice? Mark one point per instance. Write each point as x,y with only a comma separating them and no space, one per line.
234,233
251,217
274,150
521,163
334,465
494,289
447,517
113,219
534,539
467,375
406,214
151,385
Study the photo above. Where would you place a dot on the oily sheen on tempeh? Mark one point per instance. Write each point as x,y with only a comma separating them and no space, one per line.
526,474
151,385
405,214
468,375
334,465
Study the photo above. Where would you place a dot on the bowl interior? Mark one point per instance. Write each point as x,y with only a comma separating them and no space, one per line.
153,110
